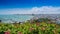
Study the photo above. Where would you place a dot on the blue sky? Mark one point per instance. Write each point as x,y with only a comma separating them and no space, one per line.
29,6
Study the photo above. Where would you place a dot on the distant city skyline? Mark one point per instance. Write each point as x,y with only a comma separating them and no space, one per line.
29,6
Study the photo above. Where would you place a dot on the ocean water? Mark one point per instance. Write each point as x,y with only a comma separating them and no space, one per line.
24,17
13,18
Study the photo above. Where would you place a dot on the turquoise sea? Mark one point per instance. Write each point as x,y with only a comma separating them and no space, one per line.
13,18
24,17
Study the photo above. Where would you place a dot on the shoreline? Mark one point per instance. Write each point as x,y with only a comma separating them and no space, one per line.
35,17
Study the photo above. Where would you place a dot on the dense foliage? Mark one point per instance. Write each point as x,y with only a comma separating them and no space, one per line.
30,28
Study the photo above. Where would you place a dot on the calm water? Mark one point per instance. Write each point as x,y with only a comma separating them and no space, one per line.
25,17
13,18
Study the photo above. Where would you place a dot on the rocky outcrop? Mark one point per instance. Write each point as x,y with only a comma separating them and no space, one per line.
0,20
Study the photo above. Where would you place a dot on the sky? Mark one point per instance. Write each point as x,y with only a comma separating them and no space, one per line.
29,6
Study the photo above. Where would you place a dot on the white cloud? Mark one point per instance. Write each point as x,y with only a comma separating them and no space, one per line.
35,10
47,10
